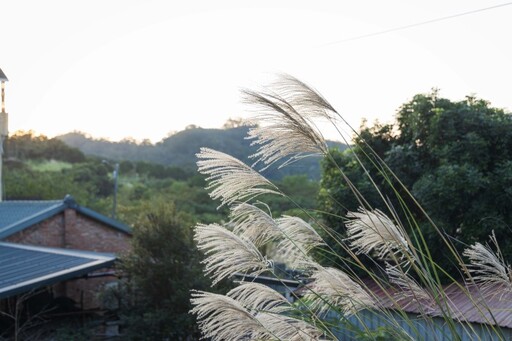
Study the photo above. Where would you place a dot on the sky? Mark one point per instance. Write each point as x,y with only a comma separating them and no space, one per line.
147,68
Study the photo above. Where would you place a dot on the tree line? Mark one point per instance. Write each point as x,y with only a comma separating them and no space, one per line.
161,203
455,157
180,148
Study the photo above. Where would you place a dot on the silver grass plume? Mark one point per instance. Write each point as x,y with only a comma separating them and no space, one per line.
487,267
288,328
410,290
253,223
260,298
333,288
269,308
229,179
226,253
302,97
223,318
373,231
298,239
284,123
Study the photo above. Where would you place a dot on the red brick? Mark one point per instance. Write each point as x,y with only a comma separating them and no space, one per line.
73,230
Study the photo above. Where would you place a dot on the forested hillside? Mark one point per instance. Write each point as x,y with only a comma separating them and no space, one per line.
180,149
162,203
40,168
454,157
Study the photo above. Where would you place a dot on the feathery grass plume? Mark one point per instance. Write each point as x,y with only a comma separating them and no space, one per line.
306,100
284,123
260,298
284,327
410,290
488,268
253,223
373,230
278,137
229,179
334,288
285,129
297,240
223,318
226,253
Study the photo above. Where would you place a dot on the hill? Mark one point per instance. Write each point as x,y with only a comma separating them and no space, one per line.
179,149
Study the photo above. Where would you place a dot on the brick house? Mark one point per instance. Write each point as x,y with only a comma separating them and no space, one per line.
78,232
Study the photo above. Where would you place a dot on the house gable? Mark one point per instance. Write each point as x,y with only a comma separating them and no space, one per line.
15,216
72,230
64,225
61,223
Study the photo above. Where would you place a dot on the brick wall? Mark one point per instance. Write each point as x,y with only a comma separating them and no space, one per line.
73,230
47,233
83,233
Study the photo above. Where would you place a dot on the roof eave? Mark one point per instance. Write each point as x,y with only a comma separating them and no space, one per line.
104,219
55,278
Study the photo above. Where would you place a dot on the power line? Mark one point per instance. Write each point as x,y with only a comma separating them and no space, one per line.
400,28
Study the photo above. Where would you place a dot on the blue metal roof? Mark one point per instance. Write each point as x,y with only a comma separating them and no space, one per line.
3,77
23,267
18,215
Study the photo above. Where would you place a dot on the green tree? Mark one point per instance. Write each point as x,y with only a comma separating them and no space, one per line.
455,158
161,269
27,145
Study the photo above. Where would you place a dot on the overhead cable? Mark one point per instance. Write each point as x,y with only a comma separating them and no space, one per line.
400,28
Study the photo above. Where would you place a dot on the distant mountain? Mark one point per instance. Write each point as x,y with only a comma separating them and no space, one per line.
180,149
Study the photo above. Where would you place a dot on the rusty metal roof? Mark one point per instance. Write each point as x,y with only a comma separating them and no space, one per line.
464,302
492,305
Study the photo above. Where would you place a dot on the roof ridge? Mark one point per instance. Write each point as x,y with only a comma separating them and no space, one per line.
30,201
38,210
26,221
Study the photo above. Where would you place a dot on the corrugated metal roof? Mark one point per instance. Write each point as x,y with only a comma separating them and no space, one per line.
465,302
492,305
3,77
23,268
18,215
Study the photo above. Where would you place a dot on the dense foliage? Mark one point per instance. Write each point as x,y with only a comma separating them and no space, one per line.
161,270
455,158
39,168
162,203
29,146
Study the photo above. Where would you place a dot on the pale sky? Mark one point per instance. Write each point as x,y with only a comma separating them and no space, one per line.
141,69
